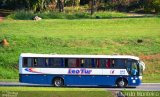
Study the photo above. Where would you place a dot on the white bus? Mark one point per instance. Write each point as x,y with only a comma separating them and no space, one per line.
78,70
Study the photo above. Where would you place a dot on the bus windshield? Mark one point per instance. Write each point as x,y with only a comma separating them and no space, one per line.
133,67
141,67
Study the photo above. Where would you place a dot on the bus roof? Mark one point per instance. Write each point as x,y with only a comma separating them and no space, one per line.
78,56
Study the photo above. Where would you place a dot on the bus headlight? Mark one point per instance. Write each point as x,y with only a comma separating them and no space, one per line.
140,77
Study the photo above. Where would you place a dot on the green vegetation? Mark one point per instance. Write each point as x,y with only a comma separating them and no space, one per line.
54,92
9,80
28,15
144,6
85,36
134,93
47,89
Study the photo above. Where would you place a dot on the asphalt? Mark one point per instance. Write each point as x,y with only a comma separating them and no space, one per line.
143,86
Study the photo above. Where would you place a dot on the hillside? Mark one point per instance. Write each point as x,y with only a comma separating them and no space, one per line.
131,36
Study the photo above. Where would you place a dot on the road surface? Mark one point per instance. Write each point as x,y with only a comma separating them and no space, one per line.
143,86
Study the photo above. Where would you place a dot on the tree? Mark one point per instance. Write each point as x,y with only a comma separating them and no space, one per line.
60,5
156,5
72,2
92,4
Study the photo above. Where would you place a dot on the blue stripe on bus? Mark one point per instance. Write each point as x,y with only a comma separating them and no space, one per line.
76,80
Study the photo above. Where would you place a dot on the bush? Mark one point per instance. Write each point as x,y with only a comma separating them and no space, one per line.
28,15
51,15
22,15
108,14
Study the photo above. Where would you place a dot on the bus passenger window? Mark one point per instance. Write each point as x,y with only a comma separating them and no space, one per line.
93,63
72,63
55,62
66,62
105,63
25,62
112,63
120,63
41,62
98,63
35,62
108,63
47,62
30,62
78,62
82,63
87,63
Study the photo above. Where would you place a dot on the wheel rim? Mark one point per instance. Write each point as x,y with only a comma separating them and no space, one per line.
58,82
121,83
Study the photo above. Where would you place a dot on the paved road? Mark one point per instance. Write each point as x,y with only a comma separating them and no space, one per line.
144,86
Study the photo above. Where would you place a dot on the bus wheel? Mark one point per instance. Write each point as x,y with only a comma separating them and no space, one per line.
58,82
121,82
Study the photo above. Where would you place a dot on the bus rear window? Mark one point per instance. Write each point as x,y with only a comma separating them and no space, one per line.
34,62
25,62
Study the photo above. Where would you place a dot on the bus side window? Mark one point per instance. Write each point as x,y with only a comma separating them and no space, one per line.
35,63
98,63
30,62
78,62
93,63
41,62
47,62
62,62
105,63
58,62
25,62
108,63
113,63
82,63
50,62
66,62
88,63
72,63
120,63
102,63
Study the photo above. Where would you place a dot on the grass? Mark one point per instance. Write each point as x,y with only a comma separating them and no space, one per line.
82,36
9,80
46,89
135,93
54,92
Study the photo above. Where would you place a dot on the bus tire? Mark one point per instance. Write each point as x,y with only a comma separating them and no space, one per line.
58,82
121,82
